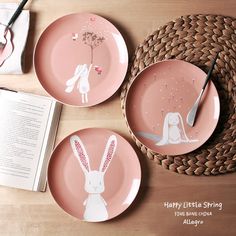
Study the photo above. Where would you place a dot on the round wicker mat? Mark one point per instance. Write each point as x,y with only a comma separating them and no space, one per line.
196,39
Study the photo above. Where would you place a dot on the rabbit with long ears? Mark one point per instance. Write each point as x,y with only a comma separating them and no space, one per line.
81,75
173,130
95,205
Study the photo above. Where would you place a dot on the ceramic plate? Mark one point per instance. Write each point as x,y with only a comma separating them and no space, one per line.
94,174
158,102
81,59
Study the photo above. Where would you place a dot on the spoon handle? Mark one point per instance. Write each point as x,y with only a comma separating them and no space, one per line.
17,13
210,72
193,111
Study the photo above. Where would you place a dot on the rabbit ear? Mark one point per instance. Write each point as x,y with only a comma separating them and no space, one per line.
108,153
78,69
182,126
166,127
165,131
71,82
80,153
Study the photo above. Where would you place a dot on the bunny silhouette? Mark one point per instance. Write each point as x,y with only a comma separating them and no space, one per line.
81,75
95,205
173,130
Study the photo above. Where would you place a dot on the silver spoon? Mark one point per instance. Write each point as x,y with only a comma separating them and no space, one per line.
193,111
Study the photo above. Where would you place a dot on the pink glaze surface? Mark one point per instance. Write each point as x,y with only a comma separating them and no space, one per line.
67,180
85,47
160,97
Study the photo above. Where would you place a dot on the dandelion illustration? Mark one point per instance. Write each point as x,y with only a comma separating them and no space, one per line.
82,71
92,40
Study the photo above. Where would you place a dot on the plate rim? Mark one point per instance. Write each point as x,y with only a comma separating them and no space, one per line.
98,129
35,53
126,98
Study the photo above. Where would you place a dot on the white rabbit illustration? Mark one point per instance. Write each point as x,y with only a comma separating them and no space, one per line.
173,130
95,205
81,75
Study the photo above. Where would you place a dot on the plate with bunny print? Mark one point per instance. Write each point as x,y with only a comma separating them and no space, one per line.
159,100
94,174
81,59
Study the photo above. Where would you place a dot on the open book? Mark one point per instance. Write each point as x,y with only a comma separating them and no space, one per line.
28,126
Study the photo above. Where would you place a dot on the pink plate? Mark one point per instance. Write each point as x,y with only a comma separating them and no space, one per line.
158,102
81,59
94,174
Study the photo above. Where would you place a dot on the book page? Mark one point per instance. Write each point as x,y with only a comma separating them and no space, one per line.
23,123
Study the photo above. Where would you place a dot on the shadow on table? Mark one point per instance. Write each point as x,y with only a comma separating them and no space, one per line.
29,48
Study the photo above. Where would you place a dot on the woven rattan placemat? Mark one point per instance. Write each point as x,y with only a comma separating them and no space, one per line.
196,39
